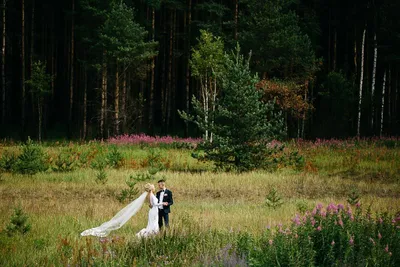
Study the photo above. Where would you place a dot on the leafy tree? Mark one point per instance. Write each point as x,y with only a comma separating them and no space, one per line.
207,65
280,48
243,123
40,87
18,223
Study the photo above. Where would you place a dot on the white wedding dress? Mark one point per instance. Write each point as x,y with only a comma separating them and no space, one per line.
152,224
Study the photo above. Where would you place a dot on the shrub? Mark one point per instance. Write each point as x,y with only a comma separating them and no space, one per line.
273,199
101,176
128,194
32,160
66,161
7,161
115,158
18,223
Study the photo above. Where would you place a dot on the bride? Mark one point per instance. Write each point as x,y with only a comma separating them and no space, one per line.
126,213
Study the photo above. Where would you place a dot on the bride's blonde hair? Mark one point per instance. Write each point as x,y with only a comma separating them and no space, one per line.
148,187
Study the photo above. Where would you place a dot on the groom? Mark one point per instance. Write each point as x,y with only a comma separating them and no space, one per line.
164,196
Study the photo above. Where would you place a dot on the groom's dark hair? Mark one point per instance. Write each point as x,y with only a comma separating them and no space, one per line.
161,181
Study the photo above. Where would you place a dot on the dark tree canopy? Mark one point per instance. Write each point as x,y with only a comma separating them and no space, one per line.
123,66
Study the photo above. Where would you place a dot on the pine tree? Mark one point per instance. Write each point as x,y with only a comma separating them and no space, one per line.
243,124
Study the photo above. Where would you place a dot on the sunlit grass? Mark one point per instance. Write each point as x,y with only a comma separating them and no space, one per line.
62,205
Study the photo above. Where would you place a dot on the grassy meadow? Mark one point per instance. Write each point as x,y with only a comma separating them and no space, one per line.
212,213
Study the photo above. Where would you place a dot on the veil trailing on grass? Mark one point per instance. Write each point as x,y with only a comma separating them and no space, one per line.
119,219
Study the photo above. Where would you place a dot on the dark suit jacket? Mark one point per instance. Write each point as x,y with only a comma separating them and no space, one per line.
167,198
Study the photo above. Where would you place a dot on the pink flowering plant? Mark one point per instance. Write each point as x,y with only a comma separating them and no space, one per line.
332,235
160,141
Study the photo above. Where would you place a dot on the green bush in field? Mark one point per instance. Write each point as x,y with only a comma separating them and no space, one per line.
66,161
115,158
101,176
128,194
32,159
7,161
331,236
18,223
273,199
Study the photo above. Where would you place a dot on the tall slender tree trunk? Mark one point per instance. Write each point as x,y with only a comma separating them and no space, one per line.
32,47
373,83
335,50
3,66
123,102
85,84
187,89
361,84
23,93
71,81
389,119
40,118
103,114
355,50
383,102
169,81
236,18
153,65
116,100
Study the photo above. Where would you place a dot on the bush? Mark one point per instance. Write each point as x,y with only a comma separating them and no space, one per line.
18,223
331,236
66,161
101,176
32,160
128,194
7,161
115,158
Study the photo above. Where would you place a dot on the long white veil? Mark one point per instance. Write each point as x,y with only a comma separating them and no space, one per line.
119,219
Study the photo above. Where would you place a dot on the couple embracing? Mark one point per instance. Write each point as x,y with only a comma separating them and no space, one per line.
160,207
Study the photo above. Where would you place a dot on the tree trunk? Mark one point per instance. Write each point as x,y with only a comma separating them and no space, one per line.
71,82
85,81
40,118
153,61
3,66
383,102
169,82
355,50
373,83
116,100
334,51
236,18
23,69
103,96
32,51
123,102
361,84
389,119
187,91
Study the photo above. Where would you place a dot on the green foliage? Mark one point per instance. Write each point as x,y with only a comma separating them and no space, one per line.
32,159
18,223
66,161
128,194
154,159
302,206
207,59
125,40
40,81
353,197
101,176
243,124
272,31
115,158
7,161
273,199
339,95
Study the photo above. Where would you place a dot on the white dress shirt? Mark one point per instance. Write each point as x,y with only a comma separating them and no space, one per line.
162,198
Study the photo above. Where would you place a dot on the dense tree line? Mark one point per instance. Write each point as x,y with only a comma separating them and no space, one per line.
95,68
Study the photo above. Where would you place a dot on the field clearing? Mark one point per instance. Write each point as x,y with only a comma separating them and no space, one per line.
61,205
